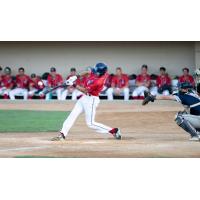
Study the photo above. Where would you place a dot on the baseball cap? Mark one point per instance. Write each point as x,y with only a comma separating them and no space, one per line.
53,69
33,75
7,70
73,69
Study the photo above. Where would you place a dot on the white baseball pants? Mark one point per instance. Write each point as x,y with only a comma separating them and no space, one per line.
58,93
4,91
88,105
154,91
18,91
139,91
75,93
125,92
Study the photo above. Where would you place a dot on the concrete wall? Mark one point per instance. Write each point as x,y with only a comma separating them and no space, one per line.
38,57
197,54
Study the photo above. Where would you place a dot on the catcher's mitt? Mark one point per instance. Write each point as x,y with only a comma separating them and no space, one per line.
147,98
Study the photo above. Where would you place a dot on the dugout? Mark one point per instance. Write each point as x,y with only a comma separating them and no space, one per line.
38,57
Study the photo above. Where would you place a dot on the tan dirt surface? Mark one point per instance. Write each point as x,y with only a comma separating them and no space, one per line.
148,131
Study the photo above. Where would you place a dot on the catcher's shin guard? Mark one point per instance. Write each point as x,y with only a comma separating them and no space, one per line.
184,124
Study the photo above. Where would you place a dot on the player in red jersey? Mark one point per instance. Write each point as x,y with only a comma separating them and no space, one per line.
6,83
21,82
88,102
186,77
143,82
1,69
54,80
36,86
163,84
119,85
70,89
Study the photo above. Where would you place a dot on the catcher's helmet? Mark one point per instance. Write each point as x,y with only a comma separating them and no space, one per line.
185,85
198,88
100,69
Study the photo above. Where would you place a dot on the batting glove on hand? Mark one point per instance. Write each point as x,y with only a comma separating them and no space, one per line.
71,80
147,98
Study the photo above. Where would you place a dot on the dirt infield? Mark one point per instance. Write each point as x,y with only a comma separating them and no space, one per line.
148,131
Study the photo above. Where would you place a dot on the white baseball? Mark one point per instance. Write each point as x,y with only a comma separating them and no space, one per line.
40,83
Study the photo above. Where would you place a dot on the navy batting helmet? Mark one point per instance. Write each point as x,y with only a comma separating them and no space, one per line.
100,69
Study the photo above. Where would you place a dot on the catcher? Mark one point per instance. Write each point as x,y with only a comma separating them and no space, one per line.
189,119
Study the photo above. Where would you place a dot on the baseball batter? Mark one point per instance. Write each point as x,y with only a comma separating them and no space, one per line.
88,102
189,119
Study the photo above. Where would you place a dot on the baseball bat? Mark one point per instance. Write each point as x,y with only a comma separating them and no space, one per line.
64,84
52,89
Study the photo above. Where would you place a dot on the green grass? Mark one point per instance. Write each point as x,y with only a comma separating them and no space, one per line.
31,121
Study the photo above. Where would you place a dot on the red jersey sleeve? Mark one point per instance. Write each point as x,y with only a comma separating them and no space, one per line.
59,79
192,80
49,80
126,79
169,80
138,79
158,81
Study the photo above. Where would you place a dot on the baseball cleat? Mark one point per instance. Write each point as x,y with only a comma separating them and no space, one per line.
117,134
195,138
60,137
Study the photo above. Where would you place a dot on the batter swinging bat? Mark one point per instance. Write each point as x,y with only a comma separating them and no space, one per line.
68,82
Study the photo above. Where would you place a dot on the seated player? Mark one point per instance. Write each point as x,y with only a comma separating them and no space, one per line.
1,69
21,82
119,85
163,84
186,77
6,83
1,75
36,86
108,83
143,82
70,89
189,119
54,80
